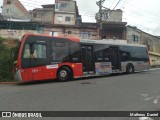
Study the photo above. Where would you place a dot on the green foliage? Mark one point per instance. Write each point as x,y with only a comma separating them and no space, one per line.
1,40
6,62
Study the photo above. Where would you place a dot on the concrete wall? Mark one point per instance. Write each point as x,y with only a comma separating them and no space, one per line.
43,15
131,34
15,33
14,10
152,42
71,6
154,59
63,9
110,15
72,32
60,18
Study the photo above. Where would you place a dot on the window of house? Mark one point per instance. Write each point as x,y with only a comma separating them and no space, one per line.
135,38
53,33
105,16
8,2
34,15
64,5
56,6
59,18
67,19
7,11
85,34
69,32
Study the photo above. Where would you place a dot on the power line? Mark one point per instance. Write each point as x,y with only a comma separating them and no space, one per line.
112,3
31,4
117,4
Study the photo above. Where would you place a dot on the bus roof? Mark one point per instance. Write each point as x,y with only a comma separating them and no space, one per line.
70,38
103,41
111,42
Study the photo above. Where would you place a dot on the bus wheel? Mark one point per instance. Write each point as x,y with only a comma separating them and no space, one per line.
64,74
130,68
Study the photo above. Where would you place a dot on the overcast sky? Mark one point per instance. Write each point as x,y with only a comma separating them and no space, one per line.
145,14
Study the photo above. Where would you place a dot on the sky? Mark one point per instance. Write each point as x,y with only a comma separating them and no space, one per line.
144,14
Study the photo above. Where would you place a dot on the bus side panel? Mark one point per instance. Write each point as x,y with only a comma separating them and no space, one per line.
43,73
38,73
78,70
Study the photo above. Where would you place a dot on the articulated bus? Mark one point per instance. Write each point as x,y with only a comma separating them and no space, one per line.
40,57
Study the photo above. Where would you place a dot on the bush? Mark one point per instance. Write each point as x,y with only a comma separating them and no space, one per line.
6,62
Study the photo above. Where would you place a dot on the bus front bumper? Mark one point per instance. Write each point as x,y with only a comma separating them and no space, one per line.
17,76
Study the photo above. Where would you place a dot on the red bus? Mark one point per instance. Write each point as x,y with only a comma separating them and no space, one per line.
40,57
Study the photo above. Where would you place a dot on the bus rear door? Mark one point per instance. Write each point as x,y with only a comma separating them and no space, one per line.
115,58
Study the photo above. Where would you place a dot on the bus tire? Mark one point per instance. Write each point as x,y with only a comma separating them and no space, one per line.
64,74
130,69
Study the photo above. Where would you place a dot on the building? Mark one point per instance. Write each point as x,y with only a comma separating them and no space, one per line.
65,12
137,36
133,35
44,14
15,29
113,30
111,25
82,31
110,15
14,10
1,18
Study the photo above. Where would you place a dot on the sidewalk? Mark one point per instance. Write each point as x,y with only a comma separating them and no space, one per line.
7,83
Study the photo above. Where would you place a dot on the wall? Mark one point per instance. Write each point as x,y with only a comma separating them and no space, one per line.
60,19
154,59
71,6
72,32
15,10
43,15
15,33
152,42
110,15
65,9
132,34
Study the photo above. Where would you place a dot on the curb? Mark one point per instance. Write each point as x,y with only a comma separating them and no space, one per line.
154,69
8,83
12,83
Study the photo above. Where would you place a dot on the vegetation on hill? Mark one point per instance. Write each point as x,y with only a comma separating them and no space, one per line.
6,61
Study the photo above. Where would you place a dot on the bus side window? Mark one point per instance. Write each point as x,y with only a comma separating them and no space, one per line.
60,51
26,51
75,53
40,51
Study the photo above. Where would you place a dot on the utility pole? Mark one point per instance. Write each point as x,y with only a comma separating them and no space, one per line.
100,3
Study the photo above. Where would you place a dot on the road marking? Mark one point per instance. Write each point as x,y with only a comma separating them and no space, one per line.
148,98
144,95
145,118
156,99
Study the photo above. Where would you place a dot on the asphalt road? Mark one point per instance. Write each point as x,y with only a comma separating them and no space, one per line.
133,92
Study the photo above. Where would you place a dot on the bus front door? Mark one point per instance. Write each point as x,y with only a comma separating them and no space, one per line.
87,59
115,58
